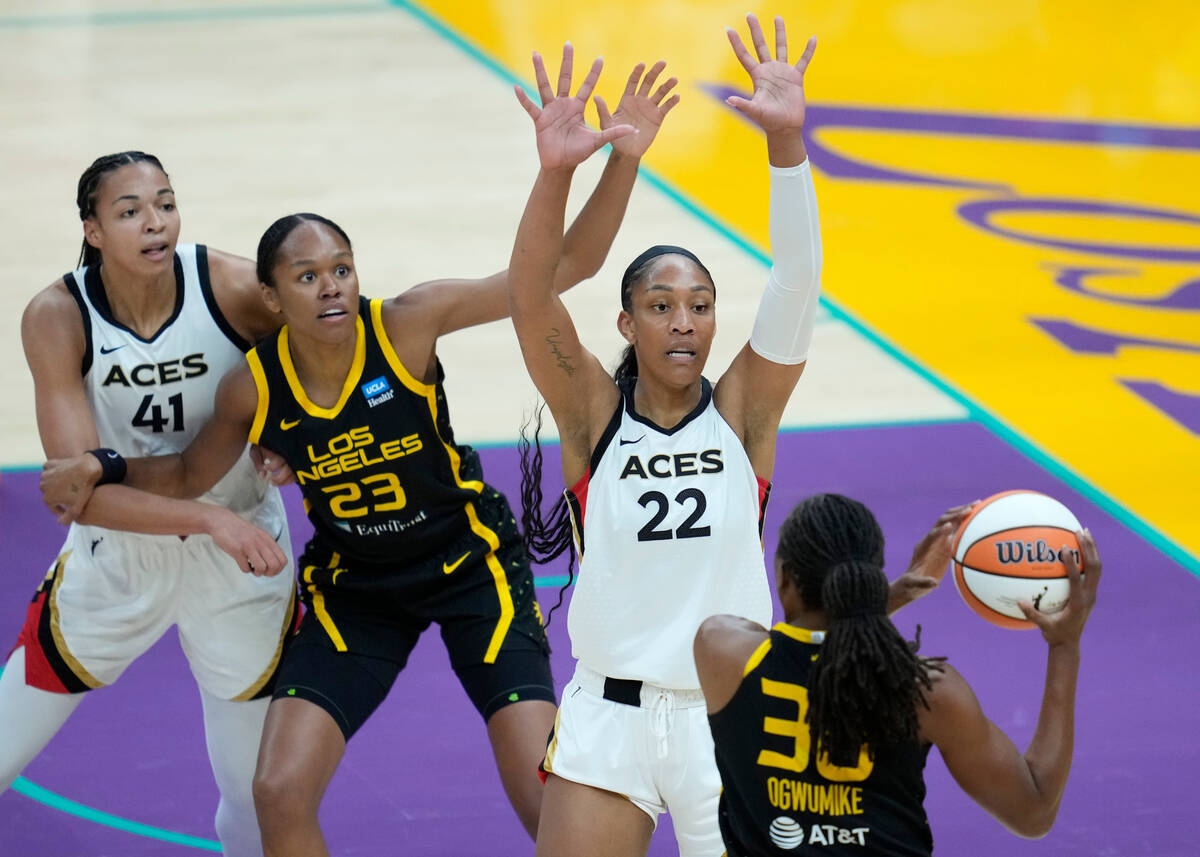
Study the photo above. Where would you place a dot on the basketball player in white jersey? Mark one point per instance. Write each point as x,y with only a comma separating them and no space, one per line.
668,476
126,353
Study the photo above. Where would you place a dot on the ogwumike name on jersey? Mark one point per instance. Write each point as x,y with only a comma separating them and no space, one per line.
152,374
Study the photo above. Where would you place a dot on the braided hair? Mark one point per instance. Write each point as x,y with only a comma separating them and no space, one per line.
865,687
89,190
277,233
549,535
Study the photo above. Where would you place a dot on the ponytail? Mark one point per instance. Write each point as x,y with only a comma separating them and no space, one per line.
865,686
546,536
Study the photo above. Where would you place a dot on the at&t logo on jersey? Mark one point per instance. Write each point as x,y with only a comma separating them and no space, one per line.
378,391
786,833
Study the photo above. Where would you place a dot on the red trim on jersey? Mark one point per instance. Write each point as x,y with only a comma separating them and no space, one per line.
579,491
38,672
764,488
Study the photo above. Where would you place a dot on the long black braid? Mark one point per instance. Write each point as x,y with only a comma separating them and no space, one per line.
865,687
548,536
89,189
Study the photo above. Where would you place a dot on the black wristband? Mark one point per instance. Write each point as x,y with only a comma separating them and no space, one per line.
112,465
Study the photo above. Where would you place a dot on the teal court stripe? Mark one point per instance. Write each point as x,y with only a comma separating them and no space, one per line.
551,580
53,800
940,421
975,411
50,21
56,801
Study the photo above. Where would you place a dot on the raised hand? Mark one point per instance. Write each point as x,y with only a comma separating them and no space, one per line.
563,138
930,560
778,100
1066,626
640,109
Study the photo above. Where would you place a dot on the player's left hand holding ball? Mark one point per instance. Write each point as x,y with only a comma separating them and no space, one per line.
1065,626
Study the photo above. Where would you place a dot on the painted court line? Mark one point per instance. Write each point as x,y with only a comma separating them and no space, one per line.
42,795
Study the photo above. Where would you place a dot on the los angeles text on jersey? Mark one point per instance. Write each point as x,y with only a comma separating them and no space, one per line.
354,450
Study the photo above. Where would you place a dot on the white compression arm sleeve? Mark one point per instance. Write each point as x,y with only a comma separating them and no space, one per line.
784,325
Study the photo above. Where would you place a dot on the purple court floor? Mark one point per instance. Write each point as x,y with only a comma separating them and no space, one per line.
419,778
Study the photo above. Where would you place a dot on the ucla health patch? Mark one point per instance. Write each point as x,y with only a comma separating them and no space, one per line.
378,391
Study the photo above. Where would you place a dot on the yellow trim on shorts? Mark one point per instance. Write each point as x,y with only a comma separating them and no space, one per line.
60,642
352,377
261,681
318,603
264,394
428,391
756,658
802,634
552,747
501,580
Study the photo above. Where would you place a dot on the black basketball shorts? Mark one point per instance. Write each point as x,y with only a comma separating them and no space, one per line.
364,619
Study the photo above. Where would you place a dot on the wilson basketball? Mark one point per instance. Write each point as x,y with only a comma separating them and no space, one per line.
1009,549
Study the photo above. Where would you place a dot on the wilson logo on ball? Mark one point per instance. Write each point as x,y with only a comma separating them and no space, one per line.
1010,549
1009,552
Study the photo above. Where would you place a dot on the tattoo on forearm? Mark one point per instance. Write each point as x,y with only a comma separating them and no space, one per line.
564,362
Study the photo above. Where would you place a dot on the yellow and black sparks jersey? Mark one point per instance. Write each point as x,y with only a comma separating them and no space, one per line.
381,476
781,797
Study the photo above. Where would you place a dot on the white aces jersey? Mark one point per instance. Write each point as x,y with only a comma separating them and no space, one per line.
668,523
151,396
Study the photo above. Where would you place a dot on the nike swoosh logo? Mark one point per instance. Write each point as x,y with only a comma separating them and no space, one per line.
104,350
624,441
448,567
285,425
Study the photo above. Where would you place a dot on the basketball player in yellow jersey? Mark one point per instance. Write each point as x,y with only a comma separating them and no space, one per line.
349,394
836,675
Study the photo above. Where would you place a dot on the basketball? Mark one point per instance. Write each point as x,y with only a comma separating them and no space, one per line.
1008,550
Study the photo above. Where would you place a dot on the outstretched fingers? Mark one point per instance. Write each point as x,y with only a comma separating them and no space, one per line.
532,109
606,117
759,38
543,80
589,82
661,92
616,132
740,50
631,84
806,57
565,70
781,53
651,76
